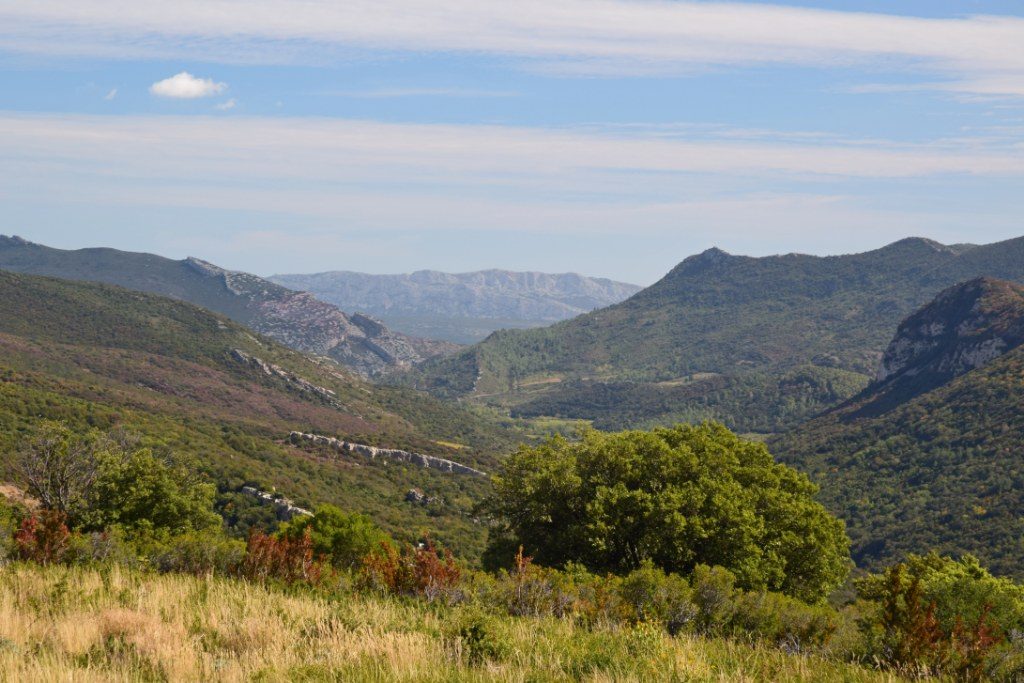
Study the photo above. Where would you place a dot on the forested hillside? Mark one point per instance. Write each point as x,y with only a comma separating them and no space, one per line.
200,385
930,455
738,321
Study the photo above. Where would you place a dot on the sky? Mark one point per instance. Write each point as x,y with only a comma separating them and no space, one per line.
608,137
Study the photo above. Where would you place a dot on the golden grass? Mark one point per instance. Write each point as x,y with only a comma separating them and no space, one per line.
115,624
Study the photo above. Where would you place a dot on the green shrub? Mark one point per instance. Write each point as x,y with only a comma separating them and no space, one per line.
199,553
340,537
651,595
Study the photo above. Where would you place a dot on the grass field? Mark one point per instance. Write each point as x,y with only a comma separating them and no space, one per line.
117,624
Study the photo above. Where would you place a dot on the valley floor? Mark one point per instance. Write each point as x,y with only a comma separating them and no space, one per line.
117,624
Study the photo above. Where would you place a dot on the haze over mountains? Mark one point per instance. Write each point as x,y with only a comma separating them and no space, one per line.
929,455
799,333
296,319
463,307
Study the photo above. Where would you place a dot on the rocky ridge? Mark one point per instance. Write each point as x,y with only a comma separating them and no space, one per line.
372,452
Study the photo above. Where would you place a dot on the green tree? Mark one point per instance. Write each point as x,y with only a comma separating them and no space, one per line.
677,497
343,538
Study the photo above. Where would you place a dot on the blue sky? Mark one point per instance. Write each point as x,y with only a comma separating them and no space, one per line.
609,137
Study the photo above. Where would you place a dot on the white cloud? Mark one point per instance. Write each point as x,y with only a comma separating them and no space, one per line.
110,95
186,86
589,35
226,105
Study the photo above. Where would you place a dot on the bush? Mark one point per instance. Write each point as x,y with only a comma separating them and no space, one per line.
651,595
287,560
343,538
43,538
413,571
200,553
477,637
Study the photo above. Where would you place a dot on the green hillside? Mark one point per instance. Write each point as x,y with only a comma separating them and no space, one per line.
748,320
95,355
923,461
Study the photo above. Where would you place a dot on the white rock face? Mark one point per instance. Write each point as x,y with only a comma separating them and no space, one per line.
286,509
372,452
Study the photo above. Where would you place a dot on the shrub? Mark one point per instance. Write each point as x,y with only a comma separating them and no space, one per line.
414,571
286,560
44,537
477,637
200,553
343,538
651,595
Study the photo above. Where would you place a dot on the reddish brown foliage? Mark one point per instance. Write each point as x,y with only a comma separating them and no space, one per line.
283,559
42,538
417,571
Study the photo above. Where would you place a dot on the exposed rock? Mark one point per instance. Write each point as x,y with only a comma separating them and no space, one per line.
418,497
272,370
372,452
967,326
285,508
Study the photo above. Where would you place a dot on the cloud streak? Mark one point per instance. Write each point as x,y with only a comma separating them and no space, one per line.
982,53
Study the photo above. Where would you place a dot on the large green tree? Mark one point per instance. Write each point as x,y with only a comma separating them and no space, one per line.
677,497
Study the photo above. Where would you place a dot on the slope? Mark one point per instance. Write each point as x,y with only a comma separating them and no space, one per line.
744,319
929,456
190,380
296,319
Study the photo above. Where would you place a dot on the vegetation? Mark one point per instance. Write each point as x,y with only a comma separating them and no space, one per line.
727,315
100,358
940,471
677,498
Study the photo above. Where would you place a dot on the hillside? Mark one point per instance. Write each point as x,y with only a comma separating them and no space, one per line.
732,319
296,319
462,307
199,384
929,455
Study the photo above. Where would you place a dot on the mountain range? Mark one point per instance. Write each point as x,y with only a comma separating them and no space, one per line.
759,343
929,455
463,307
297,319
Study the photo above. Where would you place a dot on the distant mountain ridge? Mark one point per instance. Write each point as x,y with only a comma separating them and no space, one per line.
297,319
725,327
929,455
462,307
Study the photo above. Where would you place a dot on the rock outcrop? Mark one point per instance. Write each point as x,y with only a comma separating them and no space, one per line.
373,452
285,508
967,326
292,379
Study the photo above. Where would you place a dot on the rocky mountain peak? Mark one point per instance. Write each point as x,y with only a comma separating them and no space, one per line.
963,328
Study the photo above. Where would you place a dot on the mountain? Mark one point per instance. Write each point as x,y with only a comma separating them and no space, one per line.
194,382
799,333
297,319
463,307
929,455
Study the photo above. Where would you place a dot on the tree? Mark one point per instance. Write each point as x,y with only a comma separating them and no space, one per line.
676,497
99,480
59,467
343,538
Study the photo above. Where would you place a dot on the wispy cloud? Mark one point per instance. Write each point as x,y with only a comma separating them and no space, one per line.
110,95
226,105
980,53
395,93
187,87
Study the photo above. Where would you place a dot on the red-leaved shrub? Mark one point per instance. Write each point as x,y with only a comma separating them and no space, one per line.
415,571
289,560
43,537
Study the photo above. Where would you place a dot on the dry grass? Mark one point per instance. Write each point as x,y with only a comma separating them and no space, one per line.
113,624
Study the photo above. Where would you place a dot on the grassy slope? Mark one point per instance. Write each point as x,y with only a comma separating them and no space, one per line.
730,315
118,625
95,355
